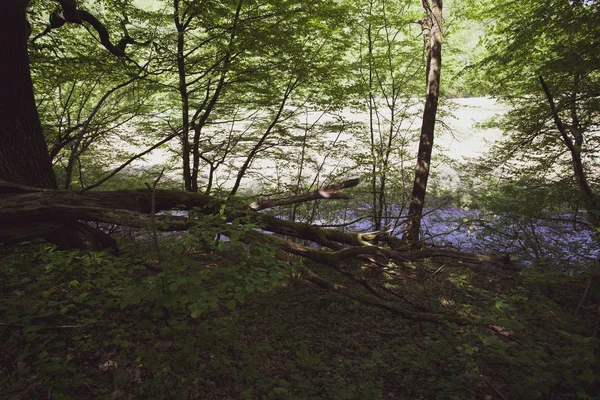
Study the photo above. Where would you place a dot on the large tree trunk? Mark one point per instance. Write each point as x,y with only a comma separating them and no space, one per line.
23,153
434,66
24,156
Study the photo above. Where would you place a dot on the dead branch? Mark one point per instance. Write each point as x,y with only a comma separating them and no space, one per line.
27,212
379,303
326,192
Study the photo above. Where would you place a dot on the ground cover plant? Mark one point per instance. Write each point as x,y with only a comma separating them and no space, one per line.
82,324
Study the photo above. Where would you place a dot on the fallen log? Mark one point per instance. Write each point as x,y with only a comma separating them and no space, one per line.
27,212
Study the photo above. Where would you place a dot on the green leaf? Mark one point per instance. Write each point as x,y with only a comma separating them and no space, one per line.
81,297
587,376
231,304
196,313
240,298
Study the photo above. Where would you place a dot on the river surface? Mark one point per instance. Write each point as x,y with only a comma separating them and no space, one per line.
459,137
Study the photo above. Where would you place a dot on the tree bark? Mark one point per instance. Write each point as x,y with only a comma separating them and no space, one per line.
23,154
434,66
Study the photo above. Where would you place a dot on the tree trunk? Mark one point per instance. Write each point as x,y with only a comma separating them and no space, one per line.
185,108
210,106
24,156
434,66
374,153
574,145
23,153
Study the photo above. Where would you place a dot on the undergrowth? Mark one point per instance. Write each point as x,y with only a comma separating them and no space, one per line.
232,322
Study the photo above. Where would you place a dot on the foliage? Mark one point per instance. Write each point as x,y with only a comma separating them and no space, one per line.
523,44
535,220
215,313
93,325
86,100
69,306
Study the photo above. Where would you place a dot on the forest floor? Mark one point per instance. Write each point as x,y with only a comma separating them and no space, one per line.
68,334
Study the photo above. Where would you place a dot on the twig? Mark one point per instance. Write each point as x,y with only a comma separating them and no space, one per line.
126,163
584,296
503,397
45,326
437,270
597,325
152,189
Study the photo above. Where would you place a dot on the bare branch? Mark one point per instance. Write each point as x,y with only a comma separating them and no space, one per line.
70,13
379,303
326,192
126,163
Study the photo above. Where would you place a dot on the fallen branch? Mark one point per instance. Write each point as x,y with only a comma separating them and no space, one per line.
30,211
335,259
326,192
310,276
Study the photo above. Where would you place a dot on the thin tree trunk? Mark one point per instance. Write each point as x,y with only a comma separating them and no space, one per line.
574,145
185,108
73,155
258,146
213,100
211,178
372,110
383,203
300,168
434,66
23,153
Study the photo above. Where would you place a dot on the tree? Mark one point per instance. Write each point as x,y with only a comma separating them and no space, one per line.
387,63
547,69
23,154
87,103
24,157
248,60
432,35
35,210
